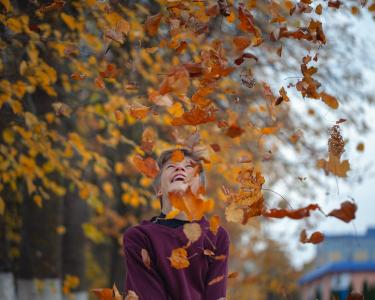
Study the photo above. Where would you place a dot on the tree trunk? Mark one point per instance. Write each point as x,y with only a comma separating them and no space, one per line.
76,212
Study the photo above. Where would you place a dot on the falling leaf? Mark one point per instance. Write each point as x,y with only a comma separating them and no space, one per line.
300,213
316,238
139,112
334,165
148,140
360,147
214,224
109,72
191,204
78,76
179,258
152,24
61,109
146,258
177,156
147,167
241,42
216,280
346,212
193,231
329,100
99,83
234,131
195,117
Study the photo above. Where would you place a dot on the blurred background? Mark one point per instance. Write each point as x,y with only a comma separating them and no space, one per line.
87,86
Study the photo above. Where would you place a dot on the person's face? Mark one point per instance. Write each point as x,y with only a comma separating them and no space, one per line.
178,176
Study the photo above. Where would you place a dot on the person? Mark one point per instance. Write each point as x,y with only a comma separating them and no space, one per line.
206,276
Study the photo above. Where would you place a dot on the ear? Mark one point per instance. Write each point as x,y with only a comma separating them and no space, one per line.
159,193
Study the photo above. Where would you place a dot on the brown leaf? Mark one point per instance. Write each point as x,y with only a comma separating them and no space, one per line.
234,131
152,24
346,212
316,238
293,214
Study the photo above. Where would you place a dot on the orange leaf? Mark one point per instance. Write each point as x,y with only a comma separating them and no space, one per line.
329,100
139,112
152,24
214,223
148,166
241,42
195,117
191,204
216,280
179,258
177,156
346,212
103,294
99,83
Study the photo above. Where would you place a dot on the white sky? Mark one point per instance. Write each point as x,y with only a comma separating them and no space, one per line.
288,230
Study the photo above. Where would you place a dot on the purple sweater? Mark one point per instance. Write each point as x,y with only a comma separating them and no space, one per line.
162,281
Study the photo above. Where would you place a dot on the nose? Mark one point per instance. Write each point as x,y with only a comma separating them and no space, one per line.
178,167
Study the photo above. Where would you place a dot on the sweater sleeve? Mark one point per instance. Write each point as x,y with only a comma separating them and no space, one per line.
216,285
145,282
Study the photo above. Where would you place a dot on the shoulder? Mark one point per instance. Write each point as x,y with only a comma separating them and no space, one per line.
222,236
135,235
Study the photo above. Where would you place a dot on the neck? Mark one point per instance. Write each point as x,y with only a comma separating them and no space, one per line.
167,207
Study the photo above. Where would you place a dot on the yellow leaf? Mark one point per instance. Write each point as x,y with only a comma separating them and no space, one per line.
7,5
92,233
8,136
179,258
174,212
193,231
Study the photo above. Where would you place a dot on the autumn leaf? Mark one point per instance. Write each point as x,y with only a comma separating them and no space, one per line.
193,231
238,61
316,238
177,156
177,81
334,165
148,140
139,112
147,167
179,258
241,42
293,214
329,100
195,117
191,204
146,258
234,131
214,224
216,280
152,24
346,212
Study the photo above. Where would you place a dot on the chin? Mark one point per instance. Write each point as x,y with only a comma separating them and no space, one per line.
178,186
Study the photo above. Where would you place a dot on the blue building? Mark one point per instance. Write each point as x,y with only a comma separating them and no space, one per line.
343,263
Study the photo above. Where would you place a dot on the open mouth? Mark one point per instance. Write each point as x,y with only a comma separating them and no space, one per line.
178,177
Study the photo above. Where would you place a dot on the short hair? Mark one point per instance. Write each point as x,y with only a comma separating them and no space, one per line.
166,155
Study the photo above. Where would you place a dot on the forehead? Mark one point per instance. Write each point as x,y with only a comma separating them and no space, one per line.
187,159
